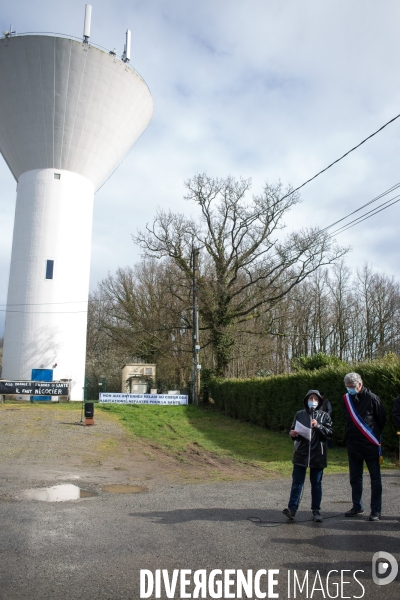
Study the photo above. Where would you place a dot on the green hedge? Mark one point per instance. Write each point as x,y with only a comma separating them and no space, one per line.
272,402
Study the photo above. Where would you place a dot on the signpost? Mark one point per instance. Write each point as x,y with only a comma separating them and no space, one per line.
195,341
34,388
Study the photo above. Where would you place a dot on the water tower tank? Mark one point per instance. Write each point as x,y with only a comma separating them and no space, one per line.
69,113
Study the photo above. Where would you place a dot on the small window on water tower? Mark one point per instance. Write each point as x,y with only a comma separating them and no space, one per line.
49,269
57,175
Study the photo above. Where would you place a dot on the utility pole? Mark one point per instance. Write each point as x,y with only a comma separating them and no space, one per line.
195,341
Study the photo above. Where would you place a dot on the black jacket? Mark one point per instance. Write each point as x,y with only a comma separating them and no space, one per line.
316,457
371,410
396,412
327,406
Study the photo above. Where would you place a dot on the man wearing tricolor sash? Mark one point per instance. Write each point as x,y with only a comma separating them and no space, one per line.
365,419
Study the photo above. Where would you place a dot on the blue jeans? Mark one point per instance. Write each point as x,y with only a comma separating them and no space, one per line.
356,466
298,478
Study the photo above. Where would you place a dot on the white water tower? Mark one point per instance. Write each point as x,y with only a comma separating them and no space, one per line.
69,113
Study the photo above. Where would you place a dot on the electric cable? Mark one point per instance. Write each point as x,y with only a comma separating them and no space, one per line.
342,157
353,223
394,187
367,215
47,312
341,229
345,227
46,303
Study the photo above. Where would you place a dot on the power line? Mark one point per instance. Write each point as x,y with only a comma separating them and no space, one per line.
341,158
276,259
367,215
47,312
46,303
341,229
363,206
364,216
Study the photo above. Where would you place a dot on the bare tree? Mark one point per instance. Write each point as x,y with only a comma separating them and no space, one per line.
246,268
386,307
142,313
342,321
379,312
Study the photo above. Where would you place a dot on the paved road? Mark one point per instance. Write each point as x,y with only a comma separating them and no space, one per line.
94,548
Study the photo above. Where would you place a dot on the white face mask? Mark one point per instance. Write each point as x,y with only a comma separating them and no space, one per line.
312,403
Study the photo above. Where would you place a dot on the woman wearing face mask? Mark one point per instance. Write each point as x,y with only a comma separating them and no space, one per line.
309,453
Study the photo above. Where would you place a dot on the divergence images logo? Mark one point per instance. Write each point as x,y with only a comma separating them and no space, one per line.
384,564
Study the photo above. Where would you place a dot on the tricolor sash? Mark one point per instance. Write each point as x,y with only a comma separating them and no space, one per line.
360,423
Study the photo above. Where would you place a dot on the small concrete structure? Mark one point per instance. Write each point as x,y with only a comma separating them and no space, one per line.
137,377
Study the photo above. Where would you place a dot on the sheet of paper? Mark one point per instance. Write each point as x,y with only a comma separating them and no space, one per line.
302,430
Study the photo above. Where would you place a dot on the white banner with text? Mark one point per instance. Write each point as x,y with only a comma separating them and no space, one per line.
164,399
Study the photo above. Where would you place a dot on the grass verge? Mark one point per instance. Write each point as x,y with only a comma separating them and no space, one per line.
177,430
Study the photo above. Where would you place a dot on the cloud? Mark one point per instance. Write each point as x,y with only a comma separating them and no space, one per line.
267,90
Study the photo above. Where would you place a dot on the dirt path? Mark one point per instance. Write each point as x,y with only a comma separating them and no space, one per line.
41,445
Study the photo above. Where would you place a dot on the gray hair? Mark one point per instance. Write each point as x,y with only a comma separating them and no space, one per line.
352,379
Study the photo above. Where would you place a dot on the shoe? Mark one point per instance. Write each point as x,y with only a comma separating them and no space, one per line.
375,516
353,512
289,513
317,517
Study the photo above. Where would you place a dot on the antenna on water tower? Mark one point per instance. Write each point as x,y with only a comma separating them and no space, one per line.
86,26
126,57
8,34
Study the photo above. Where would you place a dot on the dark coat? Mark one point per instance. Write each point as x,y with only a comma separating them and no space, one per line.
371,410
396,412
327,406
316,456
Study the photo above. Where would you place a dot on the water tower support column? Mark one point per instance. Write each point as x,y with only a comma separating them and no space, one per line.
49,277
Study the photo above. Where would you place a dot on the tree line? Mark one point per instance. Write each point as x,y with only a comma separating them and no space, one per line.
143,313
265,299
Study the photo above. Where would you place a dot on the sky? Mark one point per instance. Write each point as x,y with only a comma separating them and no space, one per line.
262,89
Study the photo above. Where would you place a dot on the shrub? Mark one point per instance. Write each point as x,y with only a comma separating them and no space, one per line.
319,360
272,402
